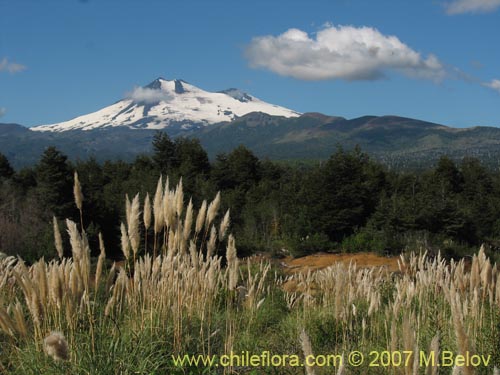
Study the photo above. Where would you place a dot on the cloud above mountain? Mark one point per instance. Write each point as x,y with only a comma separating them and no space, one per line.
472,6
148,95
10,67
340,52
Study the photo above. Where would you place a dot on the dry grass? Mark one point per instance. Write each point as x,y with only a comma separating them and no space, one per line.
185,294
323,260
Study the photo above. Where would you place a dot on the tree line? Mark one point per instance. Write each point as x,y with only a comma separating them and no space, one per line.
347,203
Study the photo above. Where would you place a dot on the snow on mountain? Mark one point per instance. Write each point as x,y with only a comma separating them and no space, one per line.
171,103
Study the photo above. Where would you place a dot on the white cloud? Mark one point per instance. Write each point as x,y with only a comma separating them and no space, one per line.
2,111
148,95
342,52
472,6
11,67
494,85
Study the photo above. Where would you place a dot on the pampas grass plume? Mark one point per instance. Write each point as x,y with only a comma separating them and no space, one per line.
224,225
147,212
58,239
125,241
305,342
100,261
188,221
77,192
133,224
157,206
213,207
200,219
56,346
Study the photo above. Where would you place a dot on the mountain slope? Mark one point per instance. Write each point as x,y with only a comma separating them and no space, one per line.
397,141
175,104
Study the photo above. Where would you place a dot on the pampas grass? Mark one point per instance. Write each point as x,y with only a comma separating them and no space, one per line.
77,193
58,239
305,343
125,242
182,299
133,215
56,346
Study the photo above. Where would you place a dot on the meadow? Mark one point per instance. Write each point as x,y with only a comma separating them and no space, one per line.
192,294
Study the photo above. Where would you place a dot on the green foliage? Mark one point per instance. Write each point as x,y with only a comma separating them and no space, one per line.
365,240
310,244
54,182
349,203
6,170
164,152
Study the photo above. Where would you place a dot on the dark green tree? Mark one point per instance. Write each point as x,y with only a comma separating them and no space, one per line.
164,155
192,159
238,169
54,179
6,170
342,194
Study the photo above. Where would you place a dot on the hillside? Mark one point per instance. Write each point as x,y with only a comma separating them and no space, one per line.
397,141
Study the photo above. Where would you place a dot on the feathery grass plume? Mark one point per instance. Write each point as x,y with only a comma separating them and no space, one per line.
21,325
111,277
56,285
232,263
409,342
166,209
146,216
224,225
179,198
147,212
432,369
496,371
200,219
487,275
58,239
77,192
100,261
305,342
157,207
475,277
74,239
6,323
125,241
213,208
211,242
188,221
169,208
128,209
460,333
133,225
56,346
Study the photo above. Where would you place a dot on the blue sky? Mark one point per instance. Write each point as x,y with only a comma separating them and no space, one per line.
62,59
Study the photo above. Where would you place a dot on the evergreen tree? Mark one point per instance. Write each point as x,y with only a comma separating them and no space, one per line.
6,170
164,155
54,180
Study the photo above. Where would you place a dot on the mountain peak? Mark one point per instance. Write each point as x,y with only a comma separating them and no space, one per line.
174,104
179,88
158,83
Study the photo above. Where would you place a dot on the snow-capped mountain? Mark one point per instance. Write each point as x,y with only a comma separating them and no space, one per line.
173,104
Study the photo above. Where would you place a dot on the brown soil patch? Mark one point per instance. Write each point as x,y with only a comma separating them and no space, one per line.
322,260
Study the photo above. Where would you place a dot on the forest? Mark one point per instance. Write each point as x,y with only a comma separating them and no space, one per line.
348,203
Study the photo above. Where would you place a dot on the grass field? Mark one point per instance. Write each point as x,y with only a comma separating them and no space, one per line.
85,316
